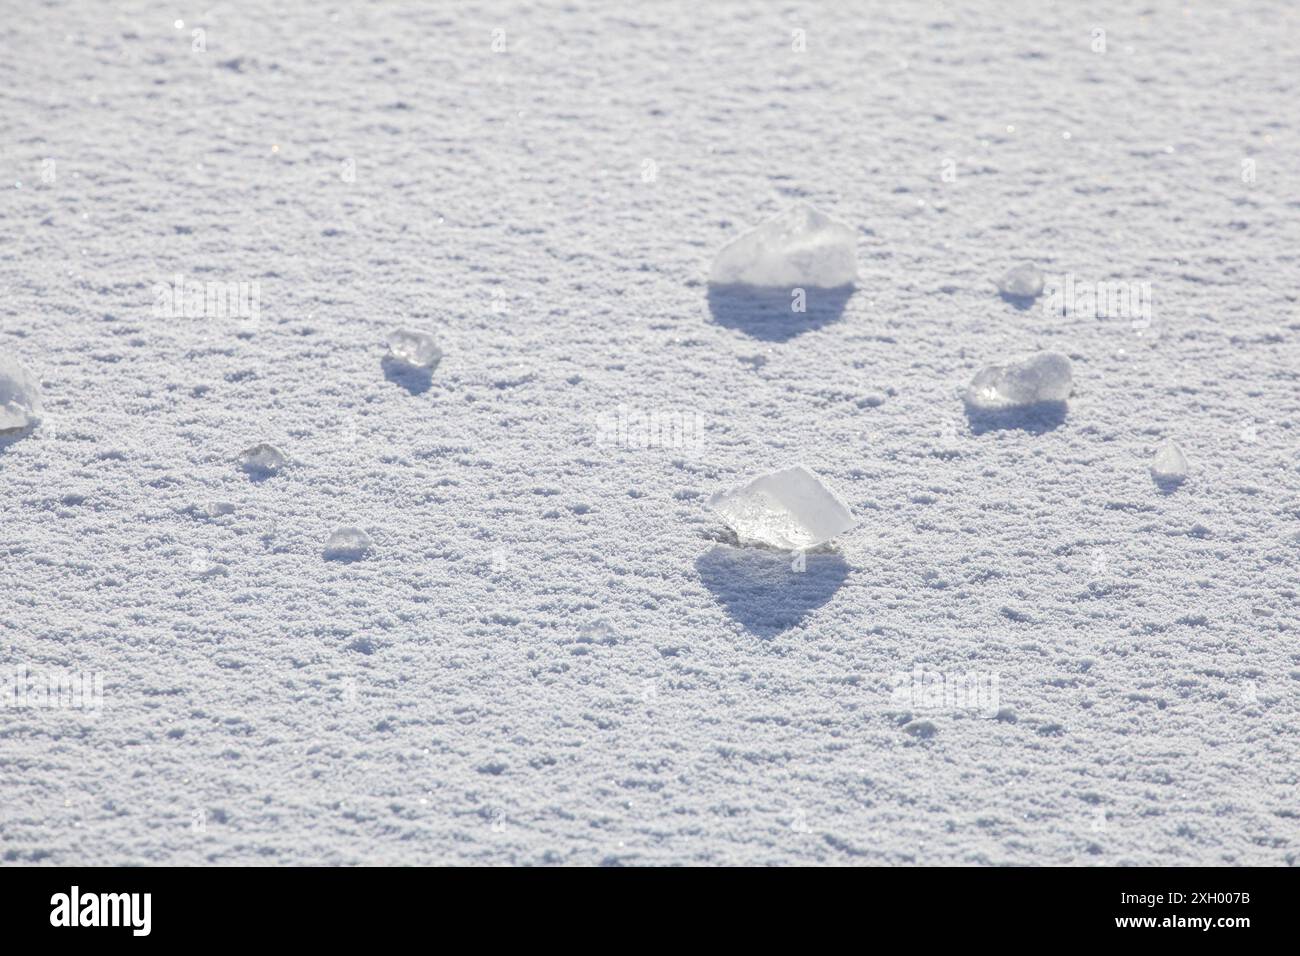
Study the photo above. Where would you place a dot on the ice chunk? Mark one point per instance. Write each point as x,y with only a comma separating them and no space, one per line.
1037,379
789,509
1023,282
20,397
799,248
414,349
1169,467
207,569
262,460
347,544
201,567
597,632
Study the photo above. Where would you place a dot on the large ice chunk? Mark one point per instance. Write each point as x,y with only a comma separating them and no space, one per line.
1025,281
799,248
262,460
1039,379
347,544
20,397
789,509
1169,467
414,349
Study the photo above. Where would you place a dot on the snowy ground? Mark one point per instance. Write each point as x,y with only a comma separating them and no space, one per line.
551,655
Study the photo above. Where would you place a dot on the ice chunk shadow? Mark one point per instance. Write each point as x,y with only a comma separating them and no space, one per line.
765,313
1169,484
414,380
342,557
760,590
1020,302
1036,419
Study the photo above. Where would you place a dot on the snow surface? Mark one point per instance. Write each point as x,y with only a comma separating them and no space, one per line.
551,654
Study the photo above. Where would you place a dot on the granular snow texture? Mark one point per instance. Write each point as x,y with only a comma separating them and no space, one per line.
551,653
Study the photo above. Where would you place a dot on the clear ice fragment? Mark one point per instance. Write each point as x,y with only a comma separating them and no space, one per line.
789,509
799,248
347,544
1169,467
1023,282
20,397
414,349
262,459
1037,379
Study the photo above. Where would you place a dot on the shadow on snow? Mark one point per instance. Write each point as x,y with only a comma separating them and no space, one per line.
766,313
761,591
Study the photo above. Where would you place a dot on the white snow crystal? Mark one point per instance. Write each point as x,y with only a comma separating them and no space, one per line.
1168,466
347,544
414,349
1044,377
789,509
799,248
20,397
262,459
1023,282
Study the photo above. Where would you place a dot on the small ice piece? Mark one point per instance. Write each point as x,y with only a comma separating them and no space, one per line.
1037,379
201,567
1023,282
1169,467
20,397
789,509
347,544
597,632
207,570
799,248
414,349
262,459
